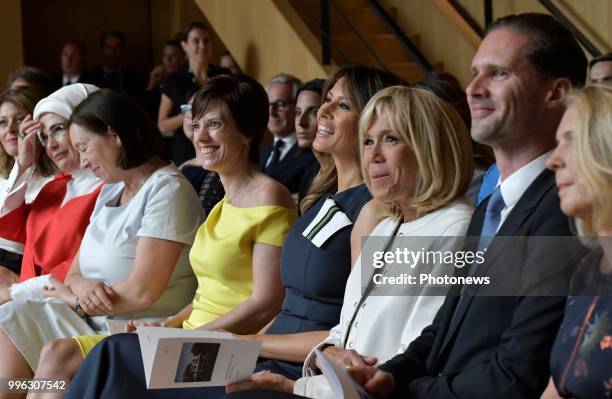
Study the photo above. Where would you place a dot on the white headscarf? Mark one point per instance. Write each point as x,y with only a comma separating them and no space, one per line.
63,101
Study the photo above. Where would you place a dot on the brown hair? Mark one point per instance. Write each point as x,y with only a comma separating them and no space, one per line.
362,83
140,139
246,100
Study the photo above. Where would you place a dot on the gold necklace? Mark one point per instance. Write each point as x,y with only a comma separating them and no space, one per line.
231,199
127,196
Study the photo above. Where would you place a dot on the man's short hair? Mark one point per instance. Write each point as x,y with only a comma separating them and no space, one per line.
76,43
600,58
112,33
288,79
553,50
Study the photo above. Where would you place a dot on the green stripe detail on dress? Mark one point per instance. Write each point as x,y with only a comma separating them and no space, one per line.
319,226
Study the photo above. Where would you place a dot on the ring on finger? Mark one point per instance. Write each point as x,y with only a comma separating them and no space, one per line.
22,135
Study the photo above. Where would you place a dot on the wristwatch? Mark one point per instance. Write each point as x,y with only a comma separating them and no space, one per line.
78,309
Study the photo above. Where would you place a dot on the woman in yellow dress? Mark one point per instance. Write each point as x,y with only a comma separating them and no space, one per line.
236,252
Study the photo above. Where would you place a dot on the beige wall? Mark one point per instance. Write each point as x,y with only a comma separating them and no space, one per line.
10,38
443,42
169,17
265,37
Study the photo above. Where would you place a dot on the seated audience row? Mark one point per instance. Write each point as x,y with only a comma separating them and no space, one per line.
145,216
395,166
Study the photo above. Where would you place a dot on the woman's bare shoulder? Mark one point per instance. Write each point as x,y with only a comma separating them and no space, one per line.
267,191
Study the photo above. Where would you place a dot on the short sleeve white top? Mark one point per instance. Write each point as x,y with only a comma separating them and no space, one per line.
166,207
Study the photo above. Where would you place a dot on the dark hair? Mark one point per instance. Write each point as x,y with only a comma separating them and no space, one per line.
76,43
192,25
315,85
553,50
446,87
112,33
600,58
174,43
246,100
35,76
362,82
104,109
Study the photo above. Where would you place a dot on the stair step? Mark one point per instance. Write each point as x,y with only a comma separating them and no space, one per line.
364,20
410,71
343,4
386,46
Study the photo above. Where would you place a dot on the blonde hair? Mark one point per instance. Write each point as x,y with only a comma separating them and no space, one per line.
592,149
362,83
438,137
25,99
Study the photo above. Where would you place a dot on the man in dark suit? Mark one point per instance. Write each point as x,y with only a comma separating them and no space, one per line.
498,346
283,160
112,74
72,60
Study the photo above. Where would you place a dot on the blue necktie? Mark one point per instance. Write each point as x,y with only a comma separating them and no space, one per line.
489,228
491,220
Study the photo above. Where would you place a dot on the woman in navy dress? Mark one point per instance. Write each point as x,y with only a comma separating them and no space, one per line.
581,359
315,260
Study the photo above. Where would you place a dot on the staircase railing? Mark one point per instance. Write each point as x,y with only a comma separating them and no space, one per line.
399,34
327,44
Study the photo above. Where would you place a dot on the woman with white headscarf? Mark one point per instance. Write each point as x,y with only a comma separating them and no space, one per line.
51,223
133,259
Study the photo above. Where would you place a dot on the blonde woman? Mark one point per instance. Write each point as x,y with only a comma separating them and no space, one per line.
313,267
417,162
582,162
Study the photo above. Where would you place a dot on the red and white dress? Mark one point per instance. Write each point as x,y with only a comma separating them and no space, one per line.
49,223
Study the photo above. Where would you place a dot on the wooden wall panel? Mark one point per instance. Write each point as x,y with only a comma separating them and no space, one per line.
265,36
443,42
169,17
147,24
85,20
10,38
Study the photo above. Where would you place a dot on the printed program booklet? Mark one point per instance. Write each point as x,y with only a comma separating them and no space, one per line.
342,384
177,358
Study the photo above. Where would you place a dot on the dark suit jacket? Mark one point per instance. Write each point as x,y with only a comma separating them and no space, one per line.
290,169
496,346
84,78
133,83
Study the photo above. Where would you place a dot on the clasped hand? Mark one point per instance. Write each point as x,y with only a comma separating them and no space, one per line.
95,297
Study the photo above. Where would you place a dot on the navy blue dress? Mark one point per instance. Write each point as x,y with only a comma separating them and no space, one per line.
314,280
581,359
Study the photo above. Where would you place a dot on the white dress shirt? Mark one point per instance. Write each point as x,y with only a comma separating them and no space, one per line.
515,185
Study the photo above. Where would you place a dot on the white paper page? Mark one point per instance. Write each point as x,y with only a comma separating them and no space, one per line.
116,326
148,336
193,358
148,345
342,384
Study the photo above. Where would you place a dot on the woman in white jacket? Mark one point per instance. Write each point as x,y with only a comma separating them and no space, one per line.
417,163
